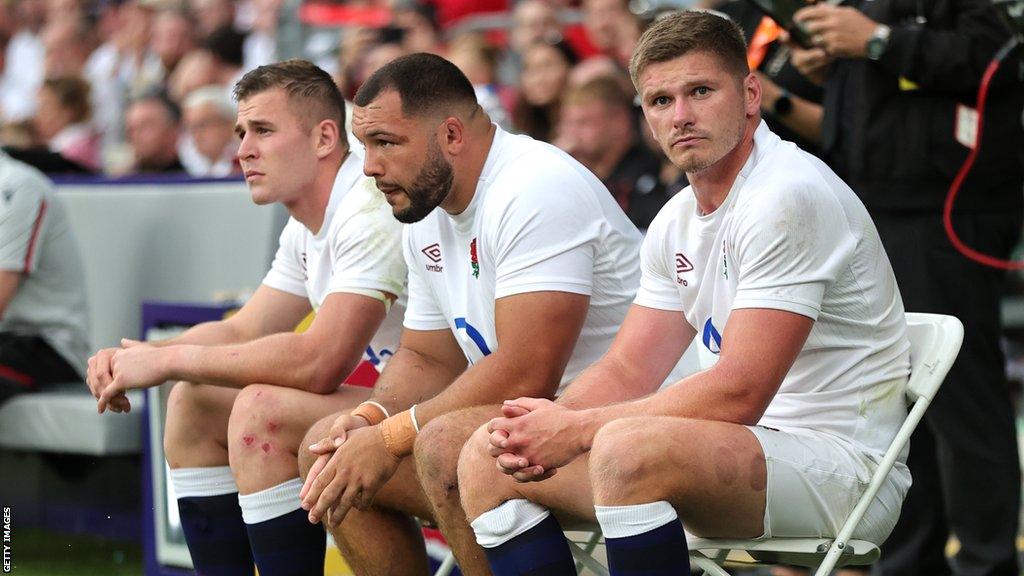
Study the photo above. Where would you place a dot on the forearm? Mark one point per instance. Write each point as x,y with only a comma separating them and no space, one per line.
607,382
285,359
804,118
410,378
207,334
709,395
493,380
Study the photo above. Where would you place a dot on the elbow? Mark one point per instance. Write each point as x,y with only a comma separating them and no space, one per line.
326,374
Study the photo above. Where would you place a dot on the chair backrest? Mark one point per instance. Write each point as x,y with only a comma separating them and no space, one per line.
934,342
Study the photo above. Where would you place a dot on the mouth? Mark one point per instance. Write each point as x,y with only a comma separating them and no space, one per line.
250,174
686,141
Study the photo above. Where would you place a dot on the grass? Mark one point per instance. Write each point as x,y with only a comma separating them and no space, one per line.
42,553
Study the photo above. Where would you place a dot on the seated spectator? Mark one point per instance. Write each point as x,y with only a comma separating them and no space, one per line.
63,122
533,21
597,126
153,124
197,69
43,319
478,60
209,147
611,28
545,72
173,37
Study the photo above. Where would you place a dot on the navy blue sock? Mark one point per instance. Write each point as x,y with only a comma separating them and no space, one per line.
658,552
288,545
540,551
216,535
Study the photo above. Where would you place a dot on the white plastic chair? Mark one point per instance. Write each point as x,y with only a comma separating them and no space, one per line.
934,344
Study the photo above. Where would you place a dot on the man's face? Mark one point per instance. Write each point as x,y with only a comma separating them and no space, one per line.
277,150
403,156
584,129
152,133
534,21
210,130
696,108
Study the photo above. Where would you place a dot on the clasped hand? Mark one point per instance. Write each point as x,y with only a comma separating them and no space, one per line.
533,438
114,371
352,465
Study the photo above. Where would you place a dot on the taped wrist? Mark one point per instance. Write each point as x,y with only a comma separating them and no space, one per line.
399,434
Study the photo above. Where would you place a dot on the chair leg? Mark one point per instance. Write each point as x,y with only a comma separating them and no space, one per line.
447,566
706,564
583,557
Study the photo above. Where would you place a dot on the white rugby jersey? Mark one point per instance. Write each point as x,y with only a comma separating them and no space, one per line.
539,221
792,236
357,250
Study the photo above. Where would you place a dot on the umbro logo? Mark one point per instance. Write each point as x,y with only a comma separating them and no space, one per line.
682,265
433,252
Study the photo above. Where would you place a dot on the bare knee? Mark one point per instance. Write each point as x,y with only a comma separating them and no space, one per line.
254,430
437,455
316,432
624,458
483,486
196,422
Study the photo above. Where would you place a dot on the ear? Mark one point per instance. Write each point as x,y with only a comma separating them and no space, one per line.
452,135
751,95
327,138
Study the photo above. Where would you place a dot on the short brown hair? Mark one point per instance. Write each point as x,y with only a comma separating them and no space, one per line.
312,92
426,84
72,92
604,89
679,33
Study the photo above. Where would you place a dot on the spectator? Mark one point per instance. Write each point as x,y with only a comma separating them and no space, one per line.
63,122
23,72
44,324
212,15
173,37
533,21
153,126
209,147
790,103
545,73
68,43
611,28
478,60
597,126
897,127
197,69
260,45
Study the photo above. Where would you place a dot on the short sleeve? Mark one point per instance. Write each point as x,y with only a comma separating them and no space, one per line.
366,248
422,311
790,245
658,288
23,209
286,270
545,245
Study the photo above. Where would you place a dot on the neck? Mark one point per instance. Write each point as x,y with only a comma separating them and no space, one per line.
310,209
711,186
470,164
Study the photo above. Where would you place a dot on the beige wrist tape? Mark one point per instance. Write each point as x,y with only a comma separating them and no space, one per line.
399,434
371,411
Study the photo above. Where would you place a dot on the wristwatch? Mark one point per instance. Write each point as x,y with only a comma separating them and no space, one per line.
878,42
783,104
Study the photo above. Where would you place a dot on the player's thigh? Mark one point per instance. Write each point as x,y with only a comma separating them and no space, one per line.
288,413
713,473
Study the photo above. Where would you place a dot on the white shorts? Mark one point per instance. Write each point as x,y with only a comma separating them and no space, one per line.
815,480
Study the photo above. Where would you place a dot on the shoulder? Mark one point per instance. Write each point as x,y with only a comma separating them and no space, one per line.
533,174
788,179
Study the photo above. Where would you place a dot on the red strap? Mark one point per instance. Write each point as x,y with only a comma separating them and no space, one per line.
35,236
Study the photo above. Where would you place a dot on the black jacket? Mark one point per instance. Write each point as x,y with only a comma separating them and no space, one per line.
895,144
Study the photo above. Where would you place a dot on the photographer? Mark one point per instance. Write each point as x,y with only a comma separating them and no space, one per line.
901,78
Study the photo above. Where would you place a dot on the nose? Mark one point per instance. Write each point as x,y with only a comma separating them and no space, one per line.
246,148
372,165
682,114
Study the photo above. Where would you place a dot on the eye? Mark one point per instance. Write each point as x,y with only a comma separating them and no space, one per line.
660,101
262,131
701,91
